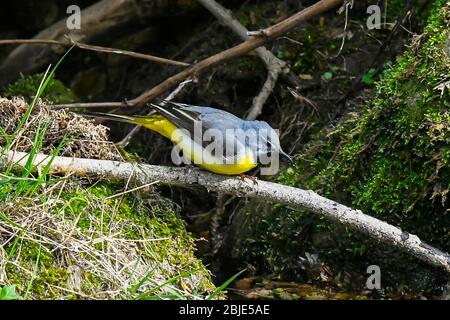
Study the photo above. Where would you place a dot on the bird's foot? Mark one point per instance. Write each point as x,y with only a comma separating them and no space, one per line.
252,178
188,168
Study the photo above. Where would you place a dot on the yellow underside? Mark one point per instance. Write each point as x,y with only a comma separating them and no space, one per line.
160,124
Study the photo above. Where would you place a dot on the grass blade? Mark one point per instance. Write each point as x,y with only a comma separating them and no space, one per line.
224,285
33,276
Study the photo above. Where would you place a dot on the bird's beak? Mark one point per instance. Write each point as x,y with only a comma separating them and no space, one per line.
287,158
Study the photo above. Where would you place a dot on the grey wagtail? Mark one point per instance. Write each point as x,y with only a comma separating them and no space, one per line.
192,128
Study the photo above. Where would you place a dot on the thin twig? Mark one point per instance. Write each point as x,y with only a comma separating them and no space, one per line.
266,90
131,190
84,46
126,140
83,105
348,4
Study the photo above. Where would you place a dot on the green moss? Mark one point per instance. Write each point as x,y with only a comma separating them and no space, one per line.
86,212
33,256
27,86
392,157
302,59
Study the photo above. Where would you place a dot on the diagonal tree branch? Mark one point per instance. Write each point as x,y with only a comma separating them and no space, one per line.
225,17
290,196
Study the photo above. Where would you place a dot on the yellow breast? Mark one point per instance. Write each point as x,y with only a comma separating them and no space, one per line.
244,165
166,128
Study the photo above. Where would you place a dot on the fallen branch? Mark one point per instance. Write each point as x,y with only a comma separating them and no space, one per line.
84,46
274,65
293,197
243,48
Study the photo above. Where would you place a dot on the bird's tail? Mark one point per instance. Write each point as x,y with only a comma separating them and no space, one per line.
139,120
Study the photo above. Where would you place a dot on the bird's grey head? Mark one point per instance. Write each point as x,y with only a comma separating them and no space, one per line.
266,138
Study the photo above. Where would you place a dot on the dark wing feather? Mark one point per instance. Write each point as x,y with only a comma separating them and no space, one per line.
182,119
185,116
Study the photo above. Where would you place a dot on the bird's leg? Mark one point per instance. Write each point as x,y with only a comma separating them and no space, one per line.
188,168
252,178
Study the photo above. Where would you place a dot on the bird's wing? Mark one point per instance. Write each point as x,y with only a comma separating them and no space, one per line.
185,116
178,115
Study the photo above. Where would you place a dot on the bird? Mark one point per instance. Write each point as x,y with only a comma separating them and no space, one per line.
205,136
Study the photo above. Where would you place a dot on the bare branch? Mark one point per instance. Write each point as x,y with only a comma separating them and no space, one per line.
225,17
239,50
261,98
290,196
84,46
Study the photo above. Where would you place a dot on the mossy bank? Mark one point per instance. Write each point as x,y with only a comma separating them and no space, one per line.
64,237
390,159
